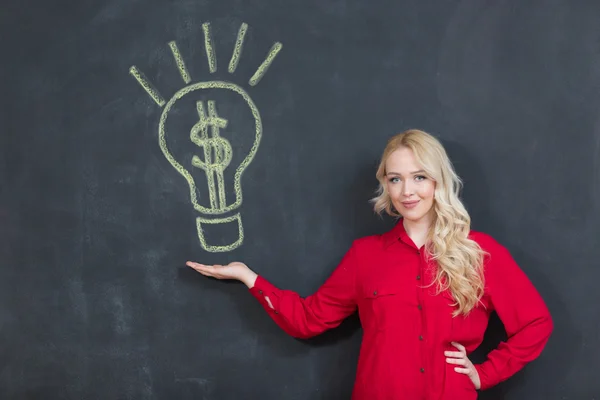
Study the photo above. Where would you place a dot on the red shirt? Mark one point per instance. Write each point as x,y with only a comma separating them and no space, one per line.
407,328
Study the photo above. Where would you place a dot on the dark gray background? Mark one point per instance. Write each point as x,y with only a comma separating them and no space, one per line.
95,224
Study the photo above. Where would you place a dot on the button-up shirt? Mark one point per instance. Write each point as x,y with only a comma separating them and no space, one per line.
407,326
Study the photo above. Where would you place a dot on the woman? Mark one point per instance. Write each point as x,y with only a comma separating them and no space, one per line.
424,290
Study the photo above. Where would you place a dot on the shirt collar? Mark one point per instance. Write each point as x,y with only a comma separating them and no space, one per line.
395,234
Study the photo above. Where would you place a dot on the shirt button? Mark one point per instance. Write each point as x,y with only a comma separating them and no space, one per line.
418,277
421,337
260,291
375,293
276,312
419,307
422,369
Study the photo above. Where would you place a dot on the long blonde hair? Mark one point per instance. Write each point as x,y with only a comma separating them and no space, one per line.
459,259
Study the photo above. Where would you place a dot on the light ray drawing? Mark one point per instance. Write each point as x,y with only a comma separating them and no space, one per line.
213,153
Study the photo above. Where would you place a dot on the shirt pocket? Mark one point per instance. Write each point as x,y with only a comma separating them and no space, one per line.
382,303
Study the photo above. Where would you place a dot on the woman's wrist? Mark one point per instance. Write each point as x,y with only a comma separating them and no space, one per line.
249,278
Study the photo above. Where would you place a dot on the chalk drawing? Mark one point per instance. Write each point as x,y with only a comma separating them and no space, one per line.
212,151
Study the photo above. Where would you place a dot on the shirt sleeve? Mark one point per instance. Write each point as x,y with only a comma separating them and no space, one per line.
325,309
521,309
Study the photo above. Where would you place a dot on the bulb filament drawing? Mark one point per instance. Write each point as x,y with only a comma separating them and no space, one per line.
212,144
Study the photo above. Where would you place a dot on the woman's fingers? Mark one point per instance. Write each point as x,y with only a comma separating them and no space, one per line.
456,354
465,371
215,271
207,270
456,357
458,361
195,264
205,267
459,346
465,366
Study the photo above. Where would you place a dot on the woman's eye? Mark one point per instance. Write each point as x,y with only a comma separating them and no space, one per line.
395,180
420,178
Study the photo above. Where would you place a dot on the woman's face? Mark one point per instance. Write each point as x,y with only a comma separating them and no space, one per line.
410,189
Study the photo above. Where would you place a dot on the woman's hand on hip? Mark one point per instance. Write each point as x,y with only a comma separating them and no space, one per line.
463,364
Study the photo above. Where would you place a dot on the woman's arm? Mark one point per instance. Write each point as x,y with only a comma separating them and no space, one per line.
521,309
299,317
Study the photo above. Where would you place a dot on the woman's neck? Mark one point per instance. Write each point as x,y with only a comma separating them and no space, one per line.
418,231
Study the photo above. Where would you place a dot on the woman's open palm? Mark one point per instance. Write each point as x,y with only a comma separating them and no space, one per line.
233,270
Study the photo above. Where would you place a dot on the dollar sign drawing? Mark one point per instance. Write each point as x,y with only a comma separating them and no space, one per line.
216,149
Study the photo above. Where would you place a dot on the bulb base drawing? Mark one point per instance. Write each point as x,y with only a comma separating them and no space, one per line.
233,222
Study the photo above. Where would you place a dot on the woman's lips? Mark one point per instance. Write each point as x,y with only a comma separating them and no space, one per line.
410,204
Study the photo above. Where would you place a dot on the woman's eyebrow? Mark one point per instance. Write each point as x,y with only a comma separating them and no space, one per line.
412,173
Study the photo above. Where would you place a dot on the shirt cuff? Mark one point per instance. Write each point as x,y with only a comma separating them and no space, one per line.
484,380
263,288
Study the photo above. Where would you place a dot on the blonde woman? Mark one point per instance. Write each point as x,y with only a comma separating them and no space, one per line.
424,290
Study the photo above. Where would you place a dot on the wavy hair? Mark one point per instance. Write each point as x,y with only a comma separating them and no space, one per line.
459,259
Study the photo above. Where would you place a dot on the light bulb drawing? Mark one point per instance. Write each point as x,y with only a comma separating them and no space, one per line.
214,152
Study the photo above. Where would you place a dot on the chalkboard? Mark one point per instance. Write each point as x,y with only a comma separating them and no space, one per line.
102,200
